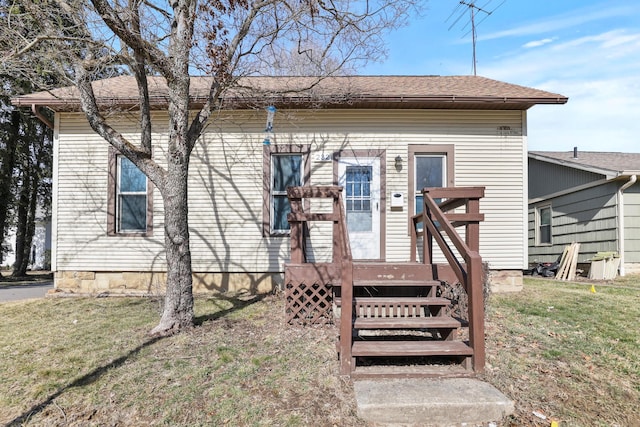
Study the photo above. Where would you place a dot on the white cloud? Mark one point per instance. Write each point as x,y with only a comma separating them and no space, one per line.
564,21
599,74
538,43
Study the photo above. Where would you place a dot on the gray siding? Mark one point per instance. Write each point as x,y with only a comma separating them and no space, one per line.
632,224
588,217
548,178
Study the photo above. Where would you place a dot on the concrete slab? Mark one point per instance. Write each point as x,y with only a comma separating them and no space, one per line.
430,402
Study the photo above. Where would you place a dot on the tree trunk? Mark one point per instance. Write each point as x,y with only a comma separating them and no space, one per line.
23,257
178,304
6,176
21,224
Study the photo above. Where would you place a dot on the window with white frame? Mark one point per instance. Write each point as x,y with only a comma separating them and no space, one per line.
131,198
543,220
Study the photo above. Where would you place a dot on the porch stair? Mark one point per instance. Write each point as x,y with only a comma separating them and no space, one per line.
400,327
392,323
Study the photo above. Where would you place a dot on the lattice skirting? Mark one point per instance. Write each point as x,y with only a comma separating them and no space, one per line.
308,304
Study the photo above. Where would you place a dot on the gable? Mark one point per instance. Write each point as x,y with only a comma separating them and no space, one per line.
547,178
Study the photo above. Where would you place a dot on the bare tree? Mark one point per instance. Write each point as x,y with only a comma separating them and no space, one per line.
224,39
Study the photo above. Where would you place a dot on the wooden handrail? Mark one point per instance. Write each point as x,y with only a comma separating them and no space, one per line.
437,222
341,257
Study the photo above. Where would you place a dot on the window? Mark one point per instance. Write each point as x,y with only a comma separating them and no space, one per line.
429,166
284,166
131,200
358,198
286,171
430,170
544,225
129,197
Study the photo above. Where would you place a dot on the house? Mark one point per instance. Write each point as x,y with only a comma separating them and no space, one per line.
338,201
40,245
591,198
384,138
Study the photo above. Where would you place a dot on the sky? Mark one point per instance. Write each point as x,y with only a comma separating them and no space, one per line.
587,50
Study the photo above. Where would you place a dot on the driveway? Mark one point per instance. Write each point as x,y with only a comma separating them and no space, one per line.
23,291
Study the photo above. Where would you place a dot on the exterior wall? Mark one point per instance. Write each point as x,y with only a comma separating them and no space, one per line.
153,283
225,184
632,227
588,217
548,178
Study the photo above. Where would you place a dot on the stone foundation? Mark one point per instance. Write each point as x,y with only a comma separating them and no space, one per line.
153,283
503,281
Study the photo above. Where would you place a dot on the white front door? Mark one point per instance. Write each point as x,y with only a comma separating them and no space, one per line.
360,178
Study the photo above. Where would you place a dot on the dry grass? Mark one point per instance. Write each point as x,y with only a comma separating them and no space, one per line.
555,348
90,362
567,353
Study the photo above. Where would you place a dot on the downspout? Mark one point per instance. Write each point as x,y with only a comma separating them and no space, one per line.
632,180
43,119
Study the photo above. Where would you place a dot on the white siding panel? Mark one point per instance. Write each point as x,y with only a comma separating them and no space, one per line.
225,185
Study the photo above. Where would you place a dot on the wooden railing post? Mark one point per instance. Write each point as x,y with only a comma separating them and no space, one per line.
346,317
297,228
470,273
337,235
472,234
341,257
427,237
476,310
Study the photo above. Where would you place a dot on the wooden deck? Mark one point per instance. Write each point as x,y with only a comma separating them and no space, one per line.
390,313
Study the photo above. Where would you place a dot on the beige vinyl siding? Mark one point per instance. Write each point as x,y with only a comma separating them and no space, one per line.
225,185
81,206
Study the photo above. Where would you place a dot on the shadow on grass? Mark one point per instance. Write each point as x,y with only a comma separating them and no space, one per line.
94,375
238,304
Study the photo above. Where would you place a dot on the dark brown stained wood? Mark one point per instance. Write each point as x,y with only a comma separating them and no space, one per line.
316,192
421,301
411,371
394,283
298,217
327,273
309,286
410,348
436,322
391,271
463,218
456,195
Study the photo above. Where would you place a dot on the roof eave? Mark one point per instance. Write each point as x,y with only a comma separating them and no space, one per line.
608,173
488,102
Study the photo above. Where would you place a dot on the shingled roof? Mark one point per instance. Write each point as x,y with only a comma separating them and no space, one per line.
459,92
610,164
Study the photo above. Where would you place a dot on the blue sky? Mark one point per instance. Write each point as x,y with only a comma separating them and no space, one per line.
588,50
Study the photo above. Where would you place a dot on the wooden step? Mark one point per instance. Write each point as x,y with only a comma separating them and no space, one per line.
411,348
435,322
422,301
395,282
393,306
411,371
372,270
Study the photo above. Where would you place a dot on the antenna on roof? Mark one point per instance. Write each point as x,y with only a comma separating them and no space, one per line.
474,9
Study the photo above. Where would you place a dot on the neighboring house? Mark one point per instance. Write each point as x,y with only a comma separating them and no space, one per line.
384,138
592,198
40,257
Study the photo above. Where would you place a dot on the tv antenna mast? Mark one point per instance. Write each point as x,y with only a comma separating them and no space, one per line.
474,10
